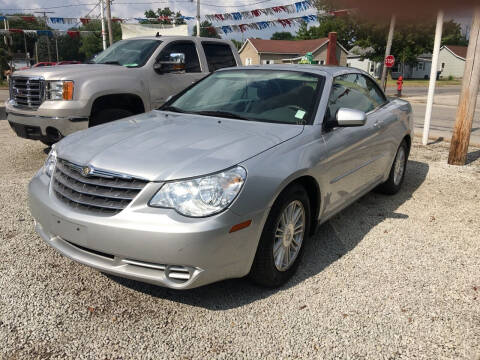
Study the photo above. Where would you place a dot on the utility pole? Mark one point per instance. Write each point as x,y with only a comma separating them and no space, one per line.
468,97
102,15
198,18
433,76
46,28
387,51
56,46
109,23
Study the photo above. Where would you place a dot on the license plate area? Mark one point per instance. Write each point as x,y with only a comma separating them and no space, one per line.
70,231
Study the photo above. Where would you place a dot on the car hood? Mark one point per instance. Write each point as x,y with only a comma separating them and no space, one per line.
71,72
161,146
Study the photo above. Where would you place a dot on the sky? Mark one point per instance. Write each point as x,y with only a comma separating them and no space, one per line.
136,8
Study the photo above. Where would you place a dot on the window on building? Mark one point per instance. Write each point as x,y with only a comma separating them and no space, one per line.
248,61
218,56
267,62
322,62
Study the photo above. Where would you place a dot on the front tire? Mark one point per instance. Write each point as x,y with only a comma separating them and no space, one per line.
283,238
397,172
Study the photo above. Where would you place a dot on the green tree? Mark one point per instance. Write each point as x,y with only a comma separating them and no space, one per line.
206,30
452,34
91,44
238,44
303,33
150,14
282,35
345,27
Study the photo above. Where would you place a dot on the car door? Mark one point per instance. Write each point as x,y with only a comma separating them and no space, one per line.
352,161
164,85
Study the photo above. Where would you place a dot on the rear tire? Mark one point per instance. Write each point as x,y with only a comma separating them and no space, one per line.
397,172
271,266
108,115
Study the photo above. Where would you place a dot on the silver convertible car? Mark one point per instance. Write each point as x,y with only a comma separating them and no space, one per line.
229,178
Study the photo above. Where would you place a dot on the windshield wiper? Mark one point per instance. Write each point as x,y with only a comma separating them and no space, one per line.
224,114
172,109
110,63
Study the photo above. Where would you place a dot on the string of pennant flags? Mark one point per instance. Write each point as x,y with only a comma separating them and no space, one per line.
50,33
237,16
261,25
274,10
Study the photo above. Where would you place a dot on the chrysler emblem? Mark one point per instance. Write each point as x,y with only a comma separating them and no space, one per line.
87,170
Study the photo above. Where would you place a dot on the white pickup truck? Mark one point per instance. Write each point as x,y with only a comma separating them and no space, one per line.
130,77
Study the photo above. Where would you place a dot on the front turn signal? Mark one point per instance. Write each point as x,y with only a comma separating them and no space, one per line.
67,90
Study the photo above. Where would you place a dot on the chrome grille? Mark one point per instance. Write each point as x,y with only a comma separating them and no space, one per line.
27,92
102,192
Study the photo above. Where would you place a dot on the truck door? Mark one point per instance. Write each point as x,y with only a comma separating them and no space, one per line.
164,85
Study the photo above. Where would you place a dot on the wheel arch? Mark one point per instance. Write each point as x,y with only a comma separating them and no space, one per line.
311,186
126,101
408,140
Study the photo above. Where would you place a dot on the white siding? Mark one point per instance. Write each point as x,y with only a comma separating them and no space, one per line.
454,66
370,67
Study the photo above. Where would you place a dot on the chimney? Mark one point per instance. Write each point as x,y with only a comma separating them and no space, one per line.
332,49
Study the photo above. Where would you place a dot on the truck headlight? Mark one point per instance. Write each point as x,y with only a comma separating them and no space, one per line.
59,90
202,196
51,162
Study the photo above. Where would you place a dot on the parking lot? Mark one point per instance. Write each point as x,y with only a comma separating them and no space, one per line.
390,277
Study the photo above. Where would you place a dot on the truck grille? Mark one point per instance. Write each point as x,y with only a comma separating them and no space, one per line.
100,193
27,92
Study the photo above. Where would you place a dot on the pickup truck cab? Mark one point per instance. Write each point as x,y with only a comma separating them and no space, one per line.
130,77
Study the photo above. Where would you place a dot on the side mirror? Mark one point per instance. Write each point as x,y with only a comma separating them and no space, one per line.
175,63
350,117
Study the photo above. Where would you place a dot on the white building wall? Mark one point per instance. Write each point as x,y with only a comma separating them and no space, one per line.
450,64
366,65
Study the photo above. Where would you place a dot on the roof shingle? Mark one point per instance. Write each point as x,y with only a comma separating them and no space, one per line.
458,50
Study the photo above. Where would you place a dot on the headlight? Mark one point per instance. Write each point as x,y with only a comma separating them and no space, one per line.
51,162
203,196
59,90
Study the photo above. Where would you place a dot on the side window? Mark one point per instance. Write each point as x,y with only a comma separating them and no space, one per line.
218,56
374,92
192,64
354,91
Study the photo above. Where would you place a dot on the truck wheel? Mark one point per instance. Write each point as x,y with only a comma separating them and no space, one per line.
49,143
107,115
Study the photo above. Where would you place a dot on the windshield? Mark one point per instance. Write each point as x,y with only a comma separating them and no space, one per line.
129,53
262,95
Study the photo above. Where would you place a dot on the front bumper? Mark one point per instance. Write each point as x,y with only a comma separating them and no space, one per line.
42,125
157,246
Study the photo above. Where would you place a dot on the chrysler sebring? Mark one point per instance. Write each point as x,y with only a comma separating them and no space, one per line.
228,178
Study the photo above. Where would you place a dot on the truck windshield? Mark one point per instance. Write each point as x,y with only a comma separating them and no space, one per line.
129,53
283,96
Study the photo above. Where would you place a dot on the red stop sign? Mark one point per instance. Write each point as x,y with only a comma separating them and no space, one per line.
389,61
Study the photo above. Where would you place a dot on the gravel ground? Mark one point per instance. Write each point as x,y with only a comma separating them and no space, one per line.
390,277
